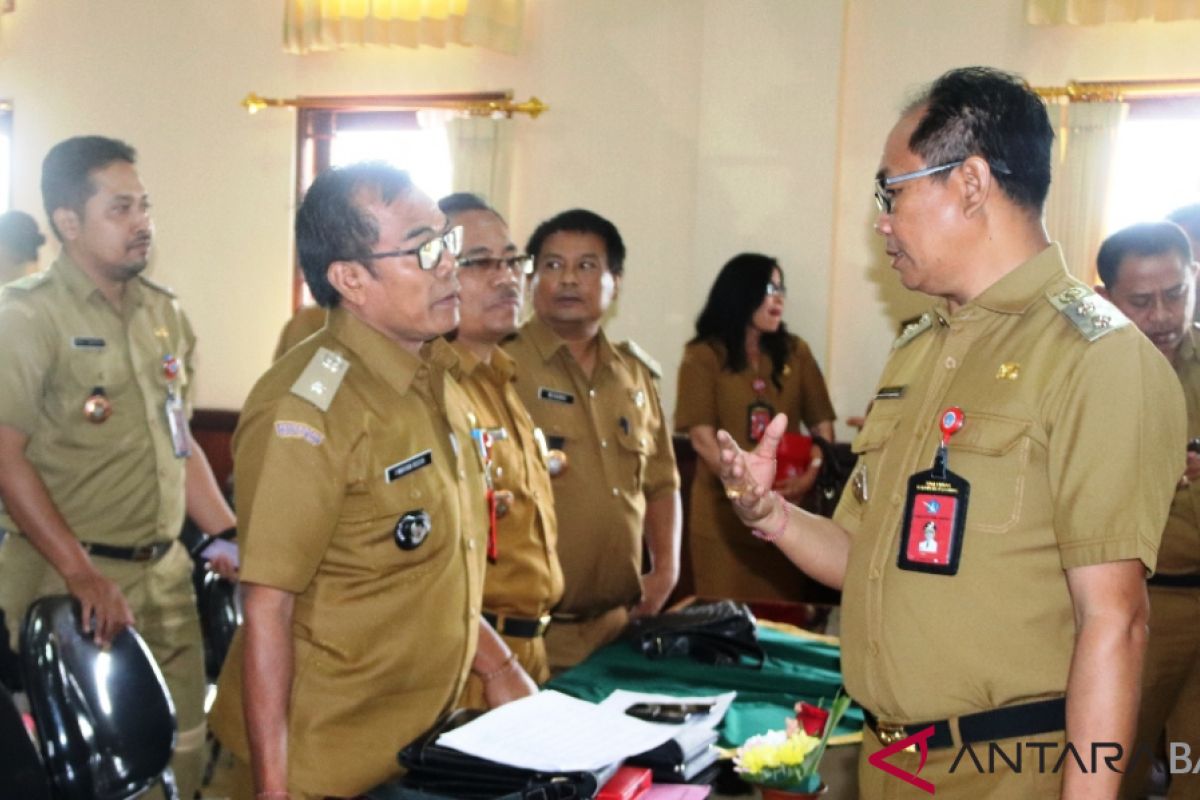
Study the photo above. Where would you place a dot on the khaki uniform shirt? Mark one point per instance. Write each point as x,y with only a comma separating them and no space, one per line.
526,579
383,636
303,324
620,457
1180,551
116,482
726,560
1072,450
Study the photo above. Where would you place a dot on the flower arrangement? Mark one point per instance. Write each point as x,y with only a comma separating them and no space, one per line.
789,759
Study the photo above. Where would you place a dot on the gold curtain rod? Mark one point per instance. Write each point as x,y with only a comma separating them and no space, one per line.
1110,91
485,106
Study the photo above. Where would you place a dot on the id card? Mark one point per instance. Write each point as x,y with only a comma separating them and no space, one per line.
177,424
935,517
758,416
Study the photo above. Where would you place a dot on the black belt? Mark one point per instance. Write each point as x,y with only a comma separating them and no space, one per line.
146,552
1009,722
516,626
1175,581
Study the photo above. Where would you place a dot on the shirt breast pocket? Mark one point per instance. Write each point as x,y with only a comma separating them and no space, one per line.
992,452
104,367
413,527
636,448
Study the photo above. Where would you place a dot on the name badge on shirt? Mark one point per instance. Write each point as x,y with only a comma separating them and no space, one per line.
555,396
890,393
935,513
412,464
87,343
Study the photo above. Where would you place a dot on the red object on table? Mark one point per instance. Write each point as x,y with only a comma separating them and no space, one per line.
629,783
793,456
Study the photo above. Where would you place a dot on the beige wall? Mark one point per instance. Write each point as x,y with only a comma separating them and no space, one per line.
701,127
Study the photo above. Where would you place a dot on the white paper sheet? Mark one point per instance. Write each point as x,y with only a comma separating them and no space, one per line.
552,731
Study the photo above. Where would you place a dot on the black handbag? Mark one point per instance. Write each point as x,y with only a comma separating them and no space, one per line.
837,462
436,772
719,633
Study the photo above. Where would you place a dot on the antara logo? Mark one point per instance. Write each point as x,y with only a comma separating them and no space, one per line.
921,740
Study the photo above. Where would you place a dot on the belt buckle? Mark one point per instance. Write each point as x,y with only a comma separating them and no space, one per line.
143,553
890,734
543,624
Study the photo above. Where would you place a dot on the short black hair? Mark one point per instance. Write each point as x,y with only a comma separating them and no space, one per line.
996,115
332,225
579,220
461,202
67,168
1188,218
1143,239
19,235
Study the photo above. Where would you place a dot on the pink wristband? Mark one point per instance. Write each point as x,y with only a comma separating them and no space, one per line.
775,535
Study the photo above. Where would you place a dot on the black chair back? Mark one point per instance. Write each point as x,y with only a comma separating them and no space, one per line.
220,617
104,716
21,773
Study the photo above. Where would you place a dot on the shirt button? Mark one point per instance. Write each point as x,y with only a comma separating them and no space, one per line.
874,648
470,544
604,442
951,362
462,474
616,491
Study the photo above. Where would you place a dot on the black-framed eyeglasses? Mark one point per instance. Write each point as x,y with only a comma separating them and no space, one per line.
776,290
521,265
883,186
430,253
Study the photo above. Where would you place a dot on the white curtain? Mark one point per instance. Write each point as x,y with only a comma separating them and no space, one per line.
481,153
1098,12
1078,201
314,25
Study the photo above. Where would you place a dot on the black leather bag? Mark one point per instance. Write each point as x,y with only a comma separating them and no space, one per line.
837,462
435,772
716,633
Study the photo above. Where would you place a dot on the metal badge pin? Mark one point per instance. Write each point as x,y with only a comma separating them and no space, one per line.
97,407
170,365
1009,371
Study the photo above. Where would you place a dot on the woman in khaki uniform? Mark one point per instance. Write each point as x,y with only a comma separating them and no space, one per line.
741,369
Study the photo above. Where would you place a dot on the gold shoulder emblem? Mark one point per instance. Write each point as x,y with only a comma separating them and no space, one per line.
322,378
1090,314
913,329
28,283
635,350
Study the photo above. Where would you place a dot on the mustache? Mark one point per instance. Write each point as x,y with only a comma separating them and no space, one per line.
142,239
507,293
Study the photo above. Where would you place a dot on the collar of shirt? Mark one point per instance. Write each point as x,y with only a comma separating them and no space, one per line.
386,360
1015,292
84,289
548,343
501,368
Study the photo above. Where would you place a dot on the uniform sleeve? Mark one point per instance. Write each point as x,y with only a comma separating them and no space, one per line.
696,397
815,405
27,354
662,477
1115,457
189,359
290,475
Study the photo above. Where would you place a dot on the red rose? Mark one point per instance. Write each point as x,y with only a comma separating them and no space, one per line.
811,718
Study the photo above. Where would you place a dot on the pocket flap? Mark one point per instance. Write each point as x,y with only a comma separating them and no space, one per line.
874,433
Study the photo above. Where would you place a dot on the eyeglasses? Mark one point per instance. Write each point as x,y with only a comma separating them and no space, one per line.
883,191
521,265
776,290
430,253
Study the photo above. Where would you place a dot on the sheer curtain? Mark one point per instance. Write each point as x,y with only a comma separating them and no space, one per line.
1079,193
1098,12
312,25
481,152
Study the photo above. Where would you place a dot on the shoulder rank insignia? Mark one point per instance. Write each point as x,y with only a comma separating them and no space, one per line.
914,329
635,350
158,287
1092,315
30,282
322,378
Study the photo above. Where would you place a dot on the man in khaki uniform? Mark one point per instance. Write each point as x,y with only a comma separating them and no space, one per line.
363,500
97,462
1034,630
1149,274
612,461
524,579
